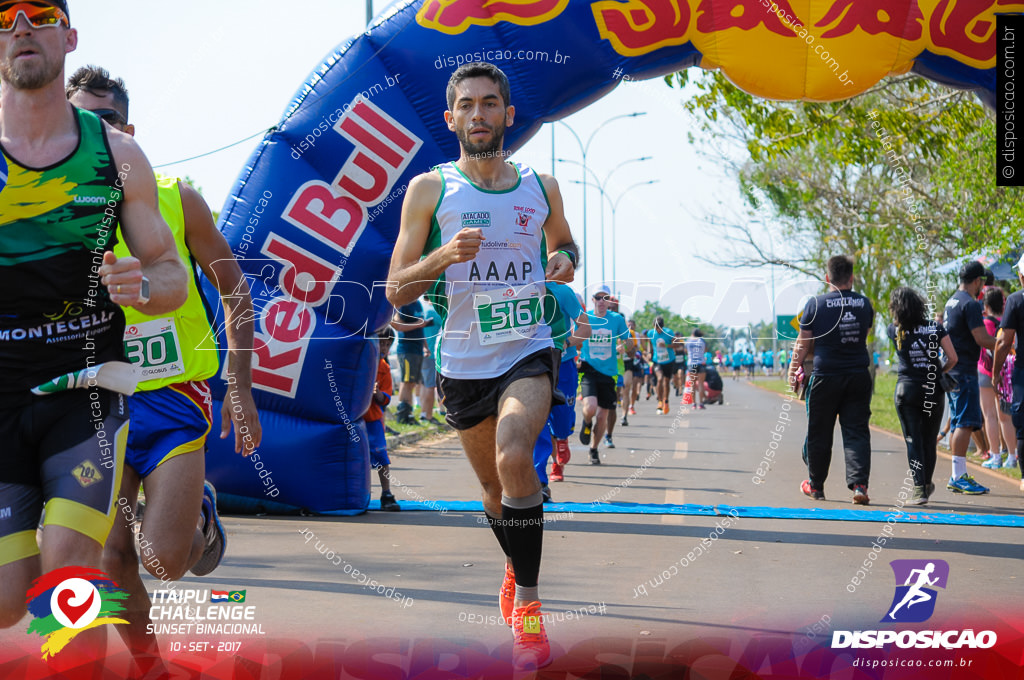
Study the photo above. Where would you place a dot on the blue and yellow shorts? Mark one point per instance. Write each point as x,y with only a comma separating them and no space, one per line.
168,422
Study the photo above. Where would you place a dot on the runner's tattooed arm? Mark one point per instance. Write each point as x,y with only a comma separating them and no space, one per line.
213,254
558,235
147,236
410,276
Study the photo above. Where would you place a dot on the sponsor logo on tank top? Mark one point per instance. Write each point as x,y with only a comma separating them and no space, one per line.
492,273
59,331
90,200
501,245
523,215
476,220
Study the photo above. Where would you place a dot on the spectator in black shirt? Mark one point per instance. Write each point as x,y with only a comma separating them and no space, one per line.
836,326
919,399
1012,325
966,326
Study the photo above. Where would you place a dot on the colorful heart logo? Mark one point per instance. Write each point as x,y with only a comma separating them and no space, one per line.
73,612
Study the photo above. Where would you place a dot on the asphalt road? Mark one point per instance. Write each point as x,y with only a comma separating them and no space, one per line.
629,579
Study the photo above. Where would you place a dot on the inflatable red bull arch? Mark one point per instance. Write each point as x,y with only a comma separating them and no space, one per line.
315,212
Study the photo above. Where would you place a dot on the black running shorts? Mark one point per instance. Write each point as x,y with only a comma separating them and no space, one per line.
597,384
470,402
64,450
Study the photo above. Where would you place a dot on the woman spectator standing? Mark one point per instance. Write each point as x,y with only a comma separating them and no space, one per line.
919,396
997,416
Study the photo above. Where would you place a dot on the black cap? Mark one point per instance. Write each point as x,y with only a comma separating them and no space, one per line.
62,4
971,271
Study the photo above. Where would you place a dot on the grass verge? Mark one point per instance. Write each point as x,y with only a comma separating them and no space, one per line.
883,411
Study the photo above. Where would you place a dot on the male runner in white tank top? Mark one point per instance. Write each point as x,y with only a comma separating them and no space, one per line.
489,233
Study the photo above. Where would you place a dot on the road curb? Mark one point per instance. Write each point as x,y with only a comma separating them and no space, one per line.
408,438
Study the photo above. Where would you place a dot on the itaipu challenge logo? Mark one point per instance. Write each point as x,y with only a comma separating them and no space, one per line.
70,600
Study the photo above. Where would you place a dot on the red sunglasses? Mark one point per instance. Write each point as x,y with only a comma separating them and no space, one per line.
39,14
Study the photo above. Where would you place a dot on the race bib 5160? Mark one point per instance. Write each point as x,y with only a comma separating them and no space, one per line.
504,314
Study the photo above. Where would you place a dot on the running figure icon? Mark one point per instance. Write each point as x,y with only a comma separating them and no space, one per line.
916,594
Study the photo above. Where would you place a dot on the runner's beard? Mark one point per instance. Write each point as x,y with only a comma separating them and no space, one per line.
483,149
30,75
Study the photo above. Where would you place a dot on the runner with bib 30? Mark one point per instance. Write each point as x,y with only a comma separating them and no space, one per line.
174,354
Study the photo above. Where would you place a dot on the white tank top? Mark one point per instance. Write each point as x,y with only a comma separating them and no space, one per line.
492,305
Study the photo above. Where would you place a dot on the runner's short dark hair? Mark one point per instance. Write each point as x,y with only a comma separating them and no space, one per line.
840,269
97,81
478,69
995,298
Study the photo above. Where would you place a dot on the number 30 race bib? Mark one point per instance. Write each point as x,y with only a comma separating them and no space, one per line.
152,346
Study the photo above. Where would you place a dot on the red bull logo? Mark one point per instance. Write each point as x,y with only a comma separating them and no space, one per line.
898,18
761,44
959,28
456,16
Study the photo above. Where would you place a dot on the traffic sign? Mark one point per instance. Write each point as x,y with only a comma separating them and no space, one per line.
788,326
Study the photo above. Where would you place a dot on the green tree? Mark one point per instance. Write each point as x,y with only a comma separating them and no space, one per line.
715,337
900,177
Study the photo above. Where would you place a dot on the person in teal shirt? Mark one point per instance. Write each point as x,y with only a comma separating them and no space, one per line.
569,328
428,389
663,359
599,365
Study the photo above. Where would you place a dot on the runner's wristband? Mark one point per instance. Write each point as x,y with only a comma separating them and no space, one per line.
572,258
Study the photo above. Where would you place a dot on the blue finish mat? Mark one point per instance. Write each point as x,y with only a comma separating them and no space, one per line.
828,514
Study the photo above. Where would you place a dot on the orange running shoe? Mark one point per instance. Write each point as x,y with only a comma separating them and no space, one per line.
507,595
530,649
562,451
556,472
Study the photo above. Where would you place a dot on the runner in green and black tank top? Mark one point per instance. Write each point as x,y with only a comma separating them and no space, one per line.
55,224
69,179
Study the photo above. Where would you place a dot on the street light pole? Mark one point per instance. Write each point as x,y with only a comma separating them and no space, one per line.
600,186
615,207
369,11
584,148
